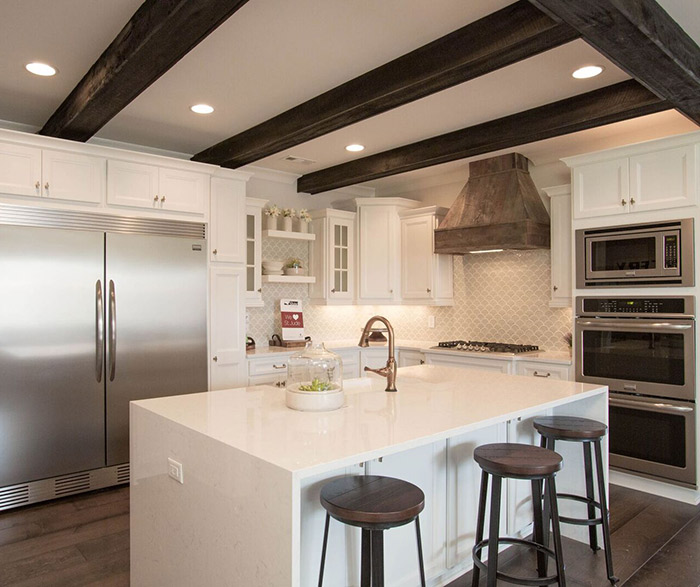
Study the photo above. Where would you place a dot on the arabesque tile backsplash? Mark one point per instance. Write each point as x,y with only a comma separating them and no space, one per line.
498,297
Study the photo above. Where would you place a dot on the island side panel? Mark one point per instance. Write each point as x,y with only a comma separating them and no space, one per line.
229,523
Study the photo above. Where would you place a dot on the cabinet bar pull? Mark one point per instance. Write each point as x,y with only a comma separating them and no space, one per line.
282,366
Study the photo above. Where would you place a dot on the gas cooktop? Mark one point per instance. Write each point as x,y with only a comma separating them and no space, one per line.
487,347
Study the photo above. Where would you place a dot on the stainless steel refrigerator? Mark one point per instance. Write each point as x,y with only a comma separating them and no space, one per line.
90,320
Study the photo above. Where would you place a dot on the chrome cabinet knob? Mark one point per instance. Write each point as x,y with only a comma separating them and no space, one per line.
215,358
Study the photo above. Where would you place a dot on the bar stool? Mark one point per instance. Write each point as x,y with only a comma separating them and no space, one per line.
374,504
587,432
517,461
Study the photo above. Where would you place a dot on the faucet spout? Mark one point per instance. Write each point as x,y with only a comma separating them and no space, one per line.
390,370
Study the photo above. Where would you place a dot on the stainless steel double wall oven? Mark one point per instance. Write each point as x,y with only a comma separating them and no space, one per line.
643,348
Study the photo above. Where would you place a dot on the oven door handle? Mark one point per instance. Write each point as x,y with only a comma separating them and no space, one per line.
656,407
640,326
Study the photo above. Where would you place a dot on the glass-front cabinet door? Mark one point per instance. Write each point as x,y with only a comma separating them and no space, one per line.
341,257
253,263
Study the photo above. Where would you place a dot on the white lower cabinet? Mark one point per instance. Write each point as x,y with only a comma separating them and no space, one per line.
373,357
227,327
270,369
543,370
410,358
491,365
351,361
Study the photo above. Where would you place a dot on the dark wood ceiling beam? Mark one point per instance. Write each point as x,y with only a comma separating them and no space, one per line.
156,37
514,33
641,39
610,104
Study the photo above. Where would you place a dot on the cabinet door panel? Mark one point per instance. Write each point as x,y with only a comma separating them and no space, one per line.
417,258
561,233
601,189
68,176
376,262
492,365
253,255
341,259
132,184
663,179
20,170
227,330
184,191
228,219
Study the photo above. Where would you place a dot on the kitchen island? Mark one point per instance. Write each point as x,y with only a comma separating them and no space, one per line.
247,511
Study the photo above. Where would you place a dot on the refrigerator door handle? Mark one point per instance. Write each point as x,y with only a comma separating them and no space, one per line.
112,330
99,333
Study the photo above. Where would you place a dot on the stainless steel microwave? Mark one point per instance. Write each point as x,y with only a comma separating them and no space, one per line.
636,255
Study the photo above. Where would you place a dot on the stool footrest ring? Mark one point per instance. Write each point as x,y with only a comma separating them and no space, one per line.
534,581
580,521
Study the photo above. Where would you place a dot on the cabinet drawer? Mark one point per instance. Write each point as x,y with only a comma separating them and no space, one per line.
269,366
543,370
277,380
491,365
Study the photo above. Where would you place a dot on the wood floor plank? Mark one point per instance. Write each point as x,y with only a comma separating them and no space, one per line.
628,504
40,565
104,545
677,563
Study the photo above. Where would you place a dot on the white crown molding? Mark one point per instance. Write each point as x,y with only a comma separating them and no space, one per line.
18,126
138,148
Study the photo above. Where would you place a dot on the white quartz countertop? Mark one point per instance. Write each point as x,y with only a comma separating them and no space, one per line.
433,403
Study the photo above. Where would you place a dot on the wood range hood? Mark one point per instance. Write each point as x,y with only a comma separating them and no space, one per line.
498,208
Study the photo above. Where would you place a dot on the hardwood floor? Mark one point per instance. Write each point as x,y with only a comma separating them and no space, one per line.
84,540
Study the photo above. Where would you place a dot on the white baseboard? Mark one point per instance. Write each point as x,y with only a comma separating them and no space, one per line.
684,494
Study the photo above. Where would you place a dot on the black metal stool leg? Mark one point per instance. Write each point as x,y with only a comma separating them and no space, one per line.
494,522
377,558
481,515
323,551
546,514
538,523
556,533
592,530
604,514
420,553
366,564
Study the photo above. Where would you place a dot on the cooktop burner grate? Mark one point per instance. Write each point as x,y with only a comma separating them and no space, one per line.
488,347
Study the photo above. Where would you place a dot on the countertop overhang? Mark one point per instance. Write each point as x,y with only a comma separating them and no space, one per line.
433,403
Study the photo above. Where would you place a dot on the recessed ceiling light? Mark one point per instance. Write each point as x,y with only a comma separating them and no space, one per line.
355,148
587,71
202,109
43,69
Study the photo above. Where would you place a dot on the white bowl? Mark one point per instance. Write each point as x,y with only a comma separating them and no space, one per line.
294,271
315,401
273,265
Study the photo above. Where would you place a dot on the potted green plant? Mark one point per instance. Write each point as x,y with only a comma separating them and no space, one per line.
293,267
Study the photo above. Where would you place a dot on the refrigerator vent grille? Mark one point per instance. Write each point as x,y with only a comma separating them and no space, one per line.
67,219
123,473
72,484
11,497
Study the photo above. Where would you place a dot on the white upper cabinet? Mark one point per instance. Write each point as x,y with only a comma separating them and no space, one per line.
663,179
60,175
332,257
379,244
561,245
602,188
20,170
159,188
69,176
426,278
227,243
651,176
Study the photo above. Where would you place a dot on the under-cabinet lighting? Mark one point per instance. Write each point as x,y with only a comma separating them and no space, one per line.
355,148
487,251
42,69
202,109
587,71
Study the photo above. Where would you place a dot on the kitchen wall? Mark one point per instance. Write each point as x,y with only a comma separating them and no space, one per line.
498,296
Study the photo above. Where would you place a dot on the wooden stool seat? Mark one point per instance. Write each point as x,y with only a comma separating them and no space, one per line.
569,428
375,504
371,501
517,460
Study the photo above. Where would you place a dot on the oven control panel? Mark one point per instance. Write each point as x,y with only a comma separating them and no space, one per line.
676,306
671,251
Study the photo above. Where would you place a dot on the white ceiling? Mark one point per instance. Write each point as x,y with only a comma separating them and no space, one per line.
273,54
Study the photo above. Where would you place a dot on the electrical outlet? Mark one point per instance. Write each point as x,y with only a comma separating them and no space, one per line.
431,321
175,470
